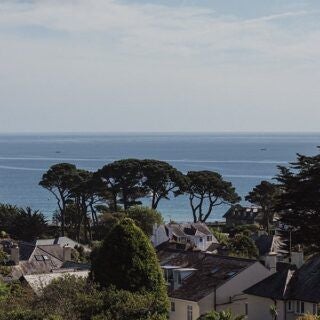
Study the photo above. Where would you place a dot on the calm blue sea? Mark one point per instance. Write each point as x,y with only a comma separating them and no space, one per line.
243,159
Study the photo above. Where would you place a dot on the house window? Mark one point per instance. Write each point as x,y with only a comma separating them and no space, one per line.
315,309
179,278
289,306
209,238
173,306
189,312
200,239
300,307
246,309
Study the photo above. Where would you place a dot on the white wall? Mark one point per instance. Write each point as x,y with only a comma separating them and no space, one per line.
259,309
180,312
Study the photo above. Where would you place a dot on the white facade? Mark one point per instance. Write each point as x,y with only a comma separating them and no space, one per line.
159,235
228,296
259,308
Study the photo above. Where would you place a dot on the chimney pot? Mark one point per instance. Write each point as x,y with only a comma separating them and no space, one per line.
15,254
67,253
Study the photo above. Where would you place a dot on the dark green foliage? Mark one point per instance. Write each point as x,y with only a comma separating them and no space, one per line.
222,315
145,218
77,299
29,225
123,180
299,201
160,178
128,261
59,180
243,246
8,214
22,224
265,195
206,190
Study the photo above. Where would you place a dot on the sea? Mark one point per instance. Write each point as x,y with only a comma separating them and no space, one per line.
241,158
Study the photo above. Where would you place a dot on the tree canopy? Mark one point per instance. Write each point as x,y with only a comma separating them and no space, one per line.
206,190
265,195
127,260
145,218
59,180
123,180
160,178
299,201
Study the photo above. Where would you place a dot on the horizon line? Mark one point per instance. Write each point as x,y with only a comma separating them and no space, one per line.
152,132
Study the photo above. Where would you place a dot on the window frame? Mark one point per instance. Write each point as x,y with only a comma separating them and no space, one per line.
300,307
189,312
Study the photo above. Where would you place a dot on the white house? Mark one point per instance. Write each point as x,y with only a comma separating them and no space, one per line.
199,282
294,290
196,234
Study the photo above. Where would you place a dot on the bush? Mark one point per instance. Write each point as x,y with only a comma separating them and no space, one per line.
145,218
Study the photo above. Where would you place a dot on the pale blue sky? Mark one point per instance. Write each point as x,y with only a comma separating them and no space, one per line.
165,65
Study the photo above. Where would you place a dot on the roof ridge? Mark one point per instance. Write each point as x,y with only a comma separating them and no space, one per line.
50,253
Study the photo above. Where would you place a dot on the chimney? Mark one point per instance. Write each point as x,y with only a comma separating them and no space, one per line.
297,257
271,261
15,254
67,253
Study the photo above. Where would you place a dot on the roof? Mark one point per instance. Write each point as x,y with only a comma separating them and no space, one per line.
244,213
37,259
291,283
211,271
39,281
62,241
275,286
190,229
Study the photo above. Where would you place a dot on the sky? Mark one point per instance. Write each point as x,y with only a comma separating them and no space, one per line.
157,66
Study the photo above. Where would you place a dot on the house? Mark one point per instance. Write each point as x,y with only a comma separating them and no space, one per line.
62,241
238,215
39,281
199,282
195,234
28,258
294,290
159,235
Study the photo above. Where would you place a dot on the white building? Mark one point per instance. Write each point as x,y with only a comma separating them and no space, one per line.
294,290
200,282
196,235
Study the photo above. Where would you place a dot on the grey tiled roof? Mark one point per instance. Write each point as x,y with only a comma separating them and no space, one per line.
292,284
211,271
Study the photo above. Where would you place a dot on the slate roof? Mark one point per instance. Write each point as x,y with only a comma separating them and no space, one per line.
238,212
39,281
190,229
62,241
292,284
37,259
211,271
275,286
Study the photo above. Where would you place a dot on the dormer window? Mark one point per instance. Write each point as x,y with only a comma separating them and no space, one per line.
209,238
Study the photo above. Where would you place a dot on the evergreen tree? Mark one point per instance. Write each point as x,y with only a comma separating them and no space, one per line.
265,195
299,200
127,261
